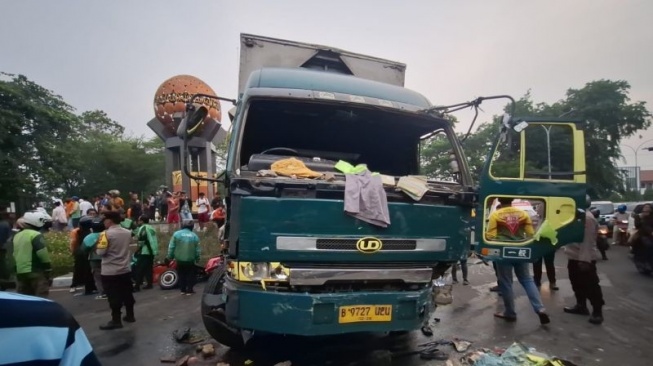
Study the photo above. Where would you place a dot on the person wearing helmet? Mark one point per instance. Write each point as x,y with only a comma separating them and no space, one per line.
619,219
185,248
582,272
95,261
33,266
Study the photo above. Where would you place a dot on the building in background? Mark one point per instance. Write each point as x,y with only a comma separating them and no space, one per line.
645,180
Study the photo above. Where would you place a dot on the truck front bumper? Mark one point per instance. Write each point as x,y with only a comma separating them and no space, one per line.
250,307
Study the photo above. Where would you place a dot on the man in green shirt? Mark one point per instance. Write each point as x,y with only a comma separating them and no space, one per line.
30,254
148,248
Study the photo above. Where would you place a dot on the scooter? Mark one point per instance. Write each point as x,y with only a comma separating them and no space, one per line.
165,273
622,232
602,243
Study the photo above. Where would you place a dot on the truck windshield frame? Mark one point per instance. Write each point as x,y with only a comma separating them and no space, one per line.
387,139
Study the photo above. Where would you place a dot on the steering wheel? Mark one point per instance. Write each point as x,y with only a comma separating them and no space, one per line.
284,149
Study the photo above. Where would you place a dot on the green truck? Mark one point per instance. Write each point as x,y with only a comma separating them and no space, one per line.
296,263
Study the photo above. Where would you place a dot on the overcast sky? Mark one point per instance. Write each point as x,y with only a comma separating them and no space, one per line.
112,55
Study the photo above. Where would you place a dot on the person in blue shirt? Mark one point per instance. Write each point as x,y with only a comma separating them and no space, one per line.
37,331
184,247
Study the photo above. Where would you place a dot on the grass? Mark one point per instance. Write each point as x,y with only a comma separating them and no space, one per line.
62,261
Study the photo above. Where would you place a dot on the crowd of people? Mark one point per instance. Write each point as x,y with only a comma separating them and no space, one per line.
101,232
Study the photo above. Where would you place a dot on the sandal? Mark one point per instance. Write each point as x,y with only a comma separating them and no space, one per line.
505,317
427,331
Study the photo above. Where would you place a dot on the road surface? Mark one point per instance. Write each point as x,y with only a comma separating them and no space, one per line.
624,338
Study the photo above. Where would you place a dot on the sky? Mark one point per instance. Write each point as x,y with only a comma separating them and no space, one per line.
113,55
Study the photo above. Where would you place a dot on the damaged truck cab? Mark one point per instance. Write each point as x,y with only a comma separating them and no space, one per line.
297,263
332,225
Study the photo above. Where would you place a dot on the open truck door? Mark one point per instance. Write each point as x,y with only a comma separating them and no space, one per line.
532,190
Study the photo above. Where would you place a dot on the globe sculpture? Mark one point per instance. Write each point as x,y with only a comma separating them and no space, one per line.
173,94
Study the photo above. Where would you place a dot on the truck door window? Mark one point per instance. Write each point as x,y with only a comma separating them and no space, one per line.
513,219
507,157
549,152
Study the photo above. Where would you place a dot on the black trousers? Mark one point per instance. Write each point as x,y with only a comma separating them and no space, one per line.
119,291
187,273
82,275
549,262
585,284
144,267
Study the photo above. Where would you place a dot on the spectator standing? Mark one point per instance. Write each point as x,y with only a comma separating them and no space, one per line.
84,206
59,217
33,268
151,209
173,210
583,275
75,212
148,248
185,206
95,261
185,248
202,204
549,262
136,207
113,247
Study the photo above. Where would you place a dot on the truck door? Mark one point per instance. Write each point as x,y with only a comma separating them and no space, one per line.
532,190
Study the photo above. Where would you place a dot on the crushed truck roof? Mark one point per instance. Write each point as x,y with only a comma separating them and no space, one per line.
305,79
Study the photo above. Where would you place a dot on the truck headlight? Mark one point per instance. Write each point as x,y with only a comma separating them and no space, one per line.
257,271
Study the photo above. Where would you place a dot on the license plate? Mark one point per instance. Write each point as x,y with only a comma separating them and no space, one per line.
364,313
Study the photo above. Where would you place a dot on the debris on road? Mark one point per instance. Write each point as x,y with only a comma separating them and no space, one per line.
516,355
222,364
168,359
182,361
182,334
461,345
208,350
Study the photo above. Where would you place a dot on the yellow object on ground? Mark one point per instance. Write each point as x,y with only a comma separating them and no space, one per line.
293,167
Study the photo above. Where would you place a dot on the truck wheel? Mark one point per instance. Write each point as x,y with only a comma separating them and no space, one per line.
213,310
168,279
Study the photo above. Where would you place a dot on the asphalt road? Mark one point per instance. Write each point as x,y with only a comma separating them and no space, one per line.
624,338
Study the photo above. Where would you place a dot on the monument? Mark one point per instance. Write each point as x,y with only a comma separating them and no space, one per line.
169,109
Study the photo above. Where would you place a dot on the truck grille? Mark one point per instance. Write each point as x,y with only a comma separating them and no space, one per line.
350,244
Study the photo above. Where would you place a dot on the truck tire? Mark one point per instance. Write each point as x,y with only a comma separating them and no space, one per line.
214,317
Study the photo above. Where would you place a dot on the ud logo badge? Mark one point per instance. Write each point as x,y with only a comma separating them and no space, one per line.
369,245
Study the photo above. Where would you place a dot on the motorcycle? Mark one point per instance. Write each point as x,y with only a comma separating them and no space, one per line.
622,232
602,243
165,273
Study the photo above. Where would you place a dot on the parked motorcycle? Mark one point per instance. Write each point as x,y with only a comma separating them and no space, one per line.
165,273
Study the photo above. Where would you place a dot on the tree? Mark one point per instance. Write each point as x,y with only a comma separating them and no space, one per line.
35,124
47,150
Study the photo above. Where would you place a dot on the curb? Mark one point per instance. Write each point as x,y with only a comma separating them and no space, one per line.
63,281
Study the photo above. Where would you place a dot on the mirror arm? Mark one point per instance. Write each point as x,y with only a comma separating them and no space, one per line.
188,172
192,99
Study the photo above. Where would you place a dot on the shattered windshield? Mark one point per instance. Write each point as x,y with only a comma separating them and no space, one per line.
321,134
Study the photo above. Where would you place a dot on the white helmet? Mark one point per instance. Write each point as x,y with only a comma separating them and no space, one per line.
36,218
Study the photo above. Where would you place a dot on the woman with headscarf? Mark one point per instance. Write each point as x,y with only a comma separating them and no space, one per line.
82,275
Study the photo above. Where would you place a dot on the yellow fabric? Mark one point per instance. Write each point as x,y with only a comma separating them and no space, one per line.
103,242
509,223
293,167
548,232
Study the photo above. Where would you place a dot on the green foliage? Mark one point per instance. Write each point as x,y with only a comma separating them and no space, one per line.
58,244
47,150
648,195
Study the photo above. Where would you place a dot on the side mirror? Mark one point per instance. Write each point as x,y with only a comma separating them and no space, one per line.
192,121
